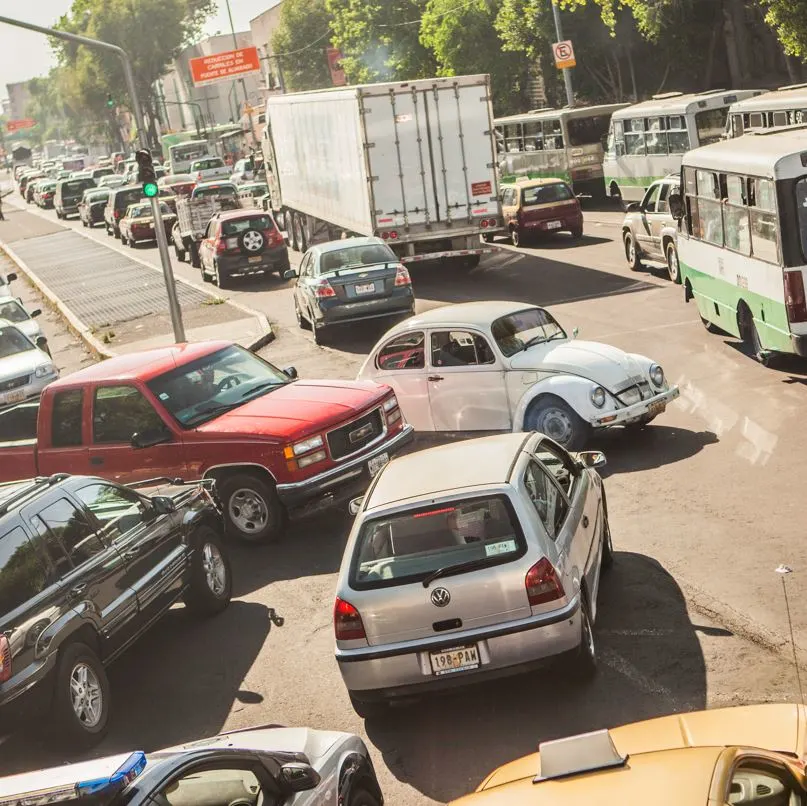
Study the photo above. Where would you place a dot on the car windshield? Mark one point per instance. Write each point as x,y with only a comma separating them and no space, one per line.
218,191
141,211
209,386
12,311
546,194
238,225
355,256
256,190
411,546
75,187
202,165
518,331
12,341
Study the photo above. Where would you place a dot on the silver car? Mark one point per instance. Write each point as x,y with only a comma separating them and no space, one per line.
25,369
470,561
648,229
12,310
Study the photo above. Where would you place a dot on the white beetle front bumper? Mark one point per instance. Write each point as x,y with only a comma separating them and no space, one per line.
629,414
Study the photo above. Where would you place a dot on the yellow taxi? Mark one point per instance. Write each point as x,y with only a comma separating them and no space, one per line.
747,755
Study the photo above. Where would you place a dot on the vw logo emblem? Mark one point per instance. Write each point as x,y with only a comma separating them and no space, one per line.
440,597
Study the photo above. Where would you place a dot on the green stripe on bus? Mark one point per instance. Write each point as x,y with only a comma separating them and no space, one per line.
717,300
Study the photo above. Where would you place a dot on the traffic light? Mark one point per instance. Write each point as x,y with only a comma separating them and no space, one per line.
110,101
145,173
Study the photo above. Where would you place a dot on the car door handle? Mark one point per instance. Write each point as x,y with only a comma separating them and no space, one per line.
78,590
435,377
585,521
96,460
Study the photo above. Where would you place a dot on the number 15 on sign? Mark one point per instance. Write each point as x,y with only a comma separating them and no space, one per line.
564,54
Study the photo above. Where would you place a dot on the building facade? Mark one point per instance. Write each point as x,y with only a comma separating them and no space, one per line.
19,97
262,29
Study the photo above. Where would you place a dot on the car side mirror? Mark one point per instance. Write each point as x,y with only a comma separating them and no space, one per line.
355,505
42,343
299,777
633,207
35,312
593,459
575,332
290,274
150,438
676,206
10,278
162,505
290,372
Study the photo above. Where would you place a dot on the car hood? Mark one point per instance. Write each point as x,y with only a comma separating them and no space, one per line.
601,363
17,364
30,327
298,409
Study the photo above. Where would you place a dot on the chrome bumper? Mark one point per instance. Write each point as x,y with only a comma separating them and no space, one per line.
629,414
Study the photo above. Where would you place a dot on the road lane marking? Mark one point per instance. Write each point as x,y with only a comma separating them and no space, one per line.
645,329
640,680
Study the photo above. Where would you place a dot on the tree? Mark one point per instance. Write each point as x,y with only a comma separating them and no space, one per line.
300,42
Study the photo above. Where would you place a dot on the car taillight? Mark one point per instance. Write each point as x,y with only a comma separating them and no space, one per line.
274,237
542,583
389,236
198,177
493,222
221,246
323,290
5,657
117,214
484,223
402,276
347,623
795,302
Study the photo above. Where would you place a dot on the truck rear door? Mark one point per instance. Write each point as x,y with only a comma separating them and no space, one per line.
431,153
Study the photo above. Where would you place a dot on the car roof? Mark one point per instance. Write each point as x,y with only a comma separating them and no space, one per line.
478,314
7,298
465,463
244,212
530,183
334,246
215,183
144,365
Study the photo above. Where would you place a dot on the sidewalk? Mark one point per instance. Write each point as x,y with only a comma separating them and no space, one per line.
113,302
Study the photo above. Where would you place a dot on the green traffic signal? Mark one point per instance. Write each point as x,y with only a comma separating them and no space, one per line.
110,101
150,190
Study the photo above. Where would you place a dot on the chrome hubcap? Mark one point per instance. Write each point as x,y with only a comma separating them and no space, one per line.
672,262
630,249
557,425
215,572
85,695
248,511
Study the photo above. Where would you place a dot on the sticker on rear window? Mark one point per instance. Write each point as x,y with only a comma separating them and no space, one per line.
502,547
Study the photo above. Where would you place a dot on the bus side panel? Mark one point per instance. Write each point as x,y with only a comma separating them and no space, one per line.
633,174
721,280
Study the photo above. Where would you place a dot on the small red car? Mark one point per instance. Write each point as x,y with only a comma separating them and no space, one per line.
538,206
273,443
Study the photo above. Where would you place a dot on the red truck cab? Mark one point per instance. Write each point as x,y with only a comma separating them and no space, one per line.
210,409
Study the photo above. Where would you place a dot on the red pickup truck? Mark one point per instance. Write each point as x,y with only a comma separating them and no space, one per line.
211,409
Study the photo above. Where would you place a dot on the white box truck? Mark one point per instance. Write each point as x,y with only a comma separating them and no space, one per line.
411,162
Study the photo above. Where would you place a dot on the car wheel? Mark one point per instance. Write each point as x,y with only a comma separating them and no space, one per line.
122,240
607,558
211,582
302,322
252,508
515,237
196,260
366,709
83,223
673,269
583,660
319,333
220,279
81,699
180,253
631,251
488,237
577,232
361,797
559,421
132,243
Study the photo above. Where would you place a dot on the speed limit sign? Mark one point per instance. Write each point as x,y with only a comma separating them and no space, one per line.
564,54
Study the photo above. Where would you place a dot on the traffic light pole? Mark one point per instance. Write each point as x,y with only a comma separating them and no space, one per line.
162,240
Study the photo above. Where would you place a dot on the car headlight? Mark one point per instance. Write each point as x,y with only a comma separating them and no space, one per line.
44,371
657,375
304,446
391,403
598,396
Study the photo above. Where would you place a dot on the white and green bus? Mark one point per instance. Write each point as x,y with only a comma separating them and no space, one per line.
786,106
556,143
647,140
742,243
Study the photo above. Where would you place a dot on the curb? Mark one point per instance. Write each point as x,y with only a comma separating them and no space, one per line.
76,326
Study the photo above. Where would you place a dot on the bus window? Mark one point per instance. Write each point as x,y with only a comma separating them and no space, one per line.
634,137
737,126
499,140
764,229
655,137
553,135
780,119
587,131
801,206
756,120
709,125
533,136
735,215
512,138
710,218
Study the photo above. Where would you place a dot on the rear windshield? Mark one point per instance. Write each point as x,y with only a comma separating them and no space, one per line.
97,197
409,546
76,186
126,197
12,311
255,190
219,191
201,165
544,194
588,131
262,222
355,256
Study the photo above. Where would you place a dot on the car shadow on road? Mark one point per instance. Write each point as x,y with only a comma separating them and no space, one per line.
650,664
180,682
628,450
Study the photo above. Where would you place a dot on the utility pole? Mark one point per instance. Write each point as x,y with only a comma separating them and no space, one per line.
567,71
159,227
247,105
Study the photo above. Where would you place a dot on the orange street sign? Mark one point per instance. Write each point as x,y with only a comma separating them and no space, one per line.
224,66
16,125
564,54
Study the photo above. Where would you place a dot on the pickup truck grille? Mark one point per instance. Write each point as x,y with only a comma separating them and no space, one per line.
354,436
14,383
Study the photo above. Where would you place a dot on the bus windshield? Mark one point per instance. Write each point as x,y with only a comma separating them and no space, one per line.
188,151
587,131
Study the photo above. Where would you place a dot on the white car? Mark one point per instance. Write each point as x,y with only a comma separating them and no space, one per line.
206,169
12,310
25,370
243,171
507,366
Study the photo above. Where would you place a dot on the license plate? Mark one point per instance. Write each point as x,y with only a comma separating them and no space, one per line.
458,659
377,462
553,225
16,396
368,288
254,259
656,408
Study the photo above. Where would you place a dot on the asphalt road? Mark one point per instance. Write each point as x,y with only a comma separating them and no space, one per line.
704,505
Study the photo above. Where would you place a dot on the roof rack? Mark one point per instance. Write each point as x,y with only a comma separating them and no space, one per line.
37,483
148,482
711,92
587,752
661,96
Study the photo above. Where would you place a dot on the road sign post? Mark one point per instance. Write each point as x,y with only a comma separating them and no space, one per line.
563,44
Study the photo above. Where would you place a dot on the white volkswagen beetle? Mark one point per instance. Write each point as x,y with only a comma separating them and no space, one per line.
501,366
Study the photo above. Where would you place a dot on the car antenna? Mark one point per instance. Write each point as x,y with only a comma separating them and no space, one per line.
784,571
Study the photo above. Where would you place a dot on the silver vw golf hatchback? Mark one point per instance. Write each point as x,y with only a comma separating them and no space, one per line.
470,561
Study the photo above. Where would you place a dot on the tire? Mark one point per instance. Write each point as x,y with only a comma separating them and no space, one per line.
84,223
300,238
607,557
515,237
180,253
487,237
211,582
196,261
219,280
582,662
132,243
86,727
302,322
673,269
265,522
368,710
122,241
577,233
750,335
288,220
319,334
558,420
362,797
631,251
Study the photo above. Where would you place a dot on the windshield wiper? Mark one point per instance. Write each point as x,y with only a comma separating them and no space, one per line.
259,386
202,414
448,570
